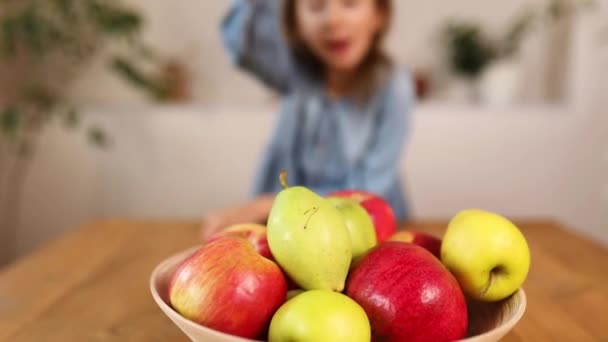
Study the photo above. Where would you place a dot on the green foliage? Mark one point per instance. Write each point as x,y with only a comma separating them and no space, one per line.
129,71
71,118
113,20
468,50
97,136
39,96
9,118
42,32
43,27
515,34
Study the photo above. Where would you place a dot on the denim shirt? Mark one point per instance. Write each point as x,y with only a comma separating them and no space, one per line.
325,144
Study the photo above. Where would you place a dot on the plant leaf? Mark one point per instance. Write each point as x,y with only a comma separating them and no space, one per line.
469,49
138,78
32,29
10,120
516,32
142,50
98,137
114,20
71,118
556,9
40,96
66,8
42,35
8,46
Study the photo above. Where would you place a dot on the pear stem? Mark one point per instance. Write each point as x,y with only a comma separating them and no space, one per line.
283,179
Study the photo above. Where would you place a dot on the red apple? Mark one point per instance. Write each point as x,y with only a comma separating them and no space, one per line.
254,233
408,294
430,242
228,286
378,208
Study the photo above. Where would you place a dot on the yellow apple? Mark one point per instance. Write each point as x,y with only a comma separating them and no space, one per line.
487,253
320,315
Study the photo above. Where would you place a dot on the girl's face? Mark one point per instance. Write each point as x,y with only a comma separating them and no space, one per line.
339,32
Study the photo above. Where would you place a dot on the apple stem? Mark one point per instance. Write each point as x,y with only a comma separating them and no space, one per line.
495,273
283,179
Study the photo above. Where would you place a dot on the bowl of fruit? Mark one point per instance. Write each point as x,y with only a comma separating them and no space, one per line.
336,269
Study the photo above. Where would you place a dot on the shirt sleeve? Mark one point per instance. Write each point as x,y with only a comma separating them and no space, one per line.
378,171
251,35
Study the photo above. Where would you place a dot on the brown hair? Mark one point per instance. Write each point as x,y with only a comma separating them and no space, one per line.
373,68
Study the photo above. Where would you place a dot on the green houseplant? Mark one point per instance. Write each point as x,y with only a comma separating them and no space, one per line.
44,44
469,49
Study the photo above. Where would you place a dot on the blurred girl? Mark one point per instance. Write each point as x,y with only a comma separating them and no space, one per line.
344,113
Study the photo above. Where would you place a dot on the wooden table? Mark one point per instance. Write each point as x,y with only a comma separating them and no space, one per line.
92,285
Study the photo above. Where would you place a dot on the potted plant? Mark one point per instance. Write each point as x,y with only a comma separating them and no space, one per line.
468,51
43,46
488,69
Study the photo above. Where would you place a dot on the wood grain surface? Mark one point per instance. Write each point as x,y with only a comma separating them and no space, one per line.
92,285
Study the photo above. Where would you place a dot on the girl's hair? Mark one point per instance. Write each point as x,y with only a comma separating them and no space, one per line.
372,70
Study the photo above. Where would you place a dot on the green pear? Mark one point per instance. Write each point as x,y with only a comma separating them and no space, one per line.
359,224
309,239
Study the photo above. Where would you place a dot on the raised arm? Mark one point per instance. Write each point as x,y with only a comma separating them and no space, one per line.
251,34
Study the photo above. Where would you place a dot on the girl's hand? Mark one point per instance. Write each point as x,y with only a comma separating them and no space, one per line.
253,212
215,222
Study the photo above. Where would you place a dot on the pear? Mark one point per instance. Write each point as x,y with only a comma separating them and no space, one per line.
309,239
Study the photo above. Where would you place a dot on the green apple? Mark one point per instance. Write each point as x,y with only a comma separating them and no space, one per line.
487,253
320,315
359,224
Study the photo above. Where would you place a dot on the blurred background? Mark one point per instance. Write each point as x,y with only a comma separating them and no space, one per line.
130,109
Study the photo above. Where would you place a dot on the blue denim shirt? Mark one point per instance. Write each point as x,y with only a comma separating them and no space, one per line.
325,144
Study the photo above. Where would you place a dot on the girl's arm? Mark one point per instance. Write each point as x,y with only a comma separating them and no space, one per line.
251,34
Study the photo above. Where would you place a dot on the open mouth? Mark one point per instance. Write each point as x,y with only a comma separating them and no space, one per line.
338,46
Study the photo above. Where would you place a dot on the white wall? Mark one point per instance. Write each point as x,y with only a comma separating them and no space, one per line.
588,83
60,188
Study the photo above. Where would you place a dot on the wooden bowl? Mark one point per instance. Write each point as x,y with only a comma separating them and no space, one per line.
488,322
